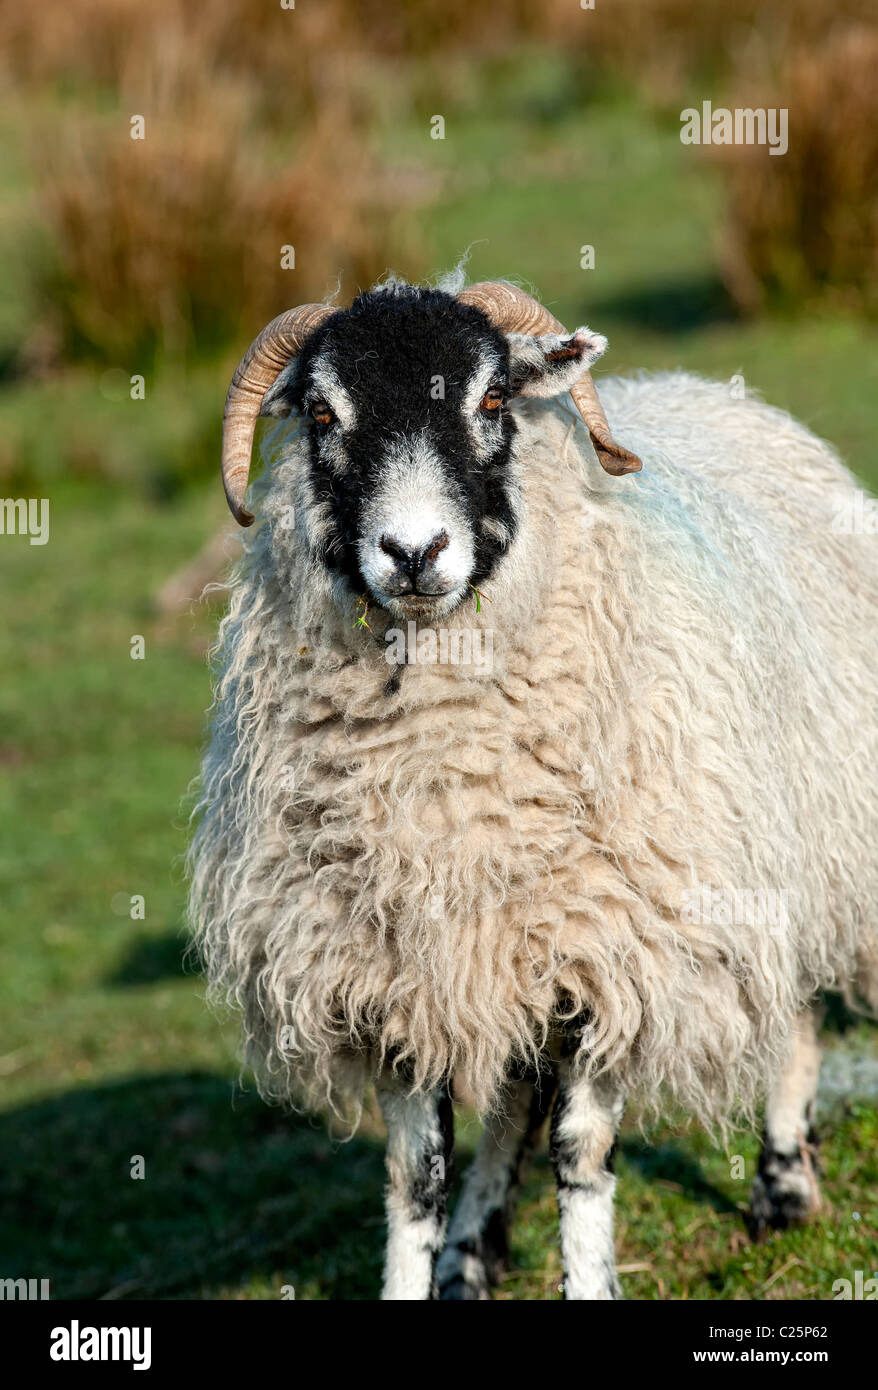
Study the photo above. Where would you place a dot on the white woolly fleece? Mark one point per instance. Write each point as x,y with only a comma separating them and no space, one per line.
683,693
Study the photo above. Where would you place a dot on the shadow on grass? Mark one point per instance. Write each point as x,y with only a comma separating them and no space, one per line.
668,307
234,1191
665,1163
153,958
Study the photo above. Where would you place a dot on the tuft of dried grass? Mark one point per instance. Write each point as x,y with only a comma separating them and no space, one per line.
679,52
175,242
804,226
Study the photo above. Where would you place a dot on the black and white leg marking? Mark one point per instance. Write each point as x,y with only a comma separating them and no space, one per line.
585,1122
478,1239
785,1191
420,1146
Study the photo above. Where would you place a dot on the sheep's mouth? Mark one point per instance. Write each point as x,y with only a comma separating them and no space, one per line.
415,605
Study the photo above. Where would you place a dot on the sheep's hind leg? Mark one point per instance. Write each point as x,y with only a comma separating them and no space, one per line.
475,1255
585,1122
785,1191
420,1146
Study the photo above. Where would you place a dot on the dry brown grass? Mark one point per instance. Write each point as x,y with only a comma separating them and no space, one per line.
666,46
91,40
174,242
804,225
262,130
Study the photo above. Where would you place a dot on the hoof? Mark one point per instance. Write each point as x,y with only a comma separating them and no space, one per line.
784,1193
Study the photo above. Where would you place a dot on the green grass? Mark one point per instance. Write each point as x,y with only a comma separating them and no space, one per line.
107,1049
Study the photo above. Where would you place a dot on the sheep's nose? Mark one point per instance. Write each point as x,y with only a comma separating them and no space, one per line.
412,561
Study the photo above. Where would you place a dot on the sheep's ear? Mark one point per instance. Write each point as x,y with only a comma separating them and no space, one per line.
552,363
280,398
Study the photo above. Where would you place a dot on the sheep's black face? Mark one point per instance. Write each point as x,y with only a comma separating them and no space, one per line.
412,491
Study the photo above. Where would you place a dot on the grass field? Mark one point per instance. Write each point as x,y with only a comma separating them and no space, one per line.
107,1050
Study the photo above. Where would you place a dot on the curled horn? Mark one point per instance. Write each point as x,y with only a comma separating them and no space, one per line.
515,311
257,370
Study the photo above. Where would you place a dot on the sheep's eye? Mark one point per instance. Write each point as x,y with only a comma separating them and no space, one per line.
321,413
492,399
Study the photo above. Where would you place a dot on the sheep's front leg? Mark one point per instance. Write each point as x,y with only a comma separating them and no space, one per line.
475,1255
785,1190
585,1122
420,1144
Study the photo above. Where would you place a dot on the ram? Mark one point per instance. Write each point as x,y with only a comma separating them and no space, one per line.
618,851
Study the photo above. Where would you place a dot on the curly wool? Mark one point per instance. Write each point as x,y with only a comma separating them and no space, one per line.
682,693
